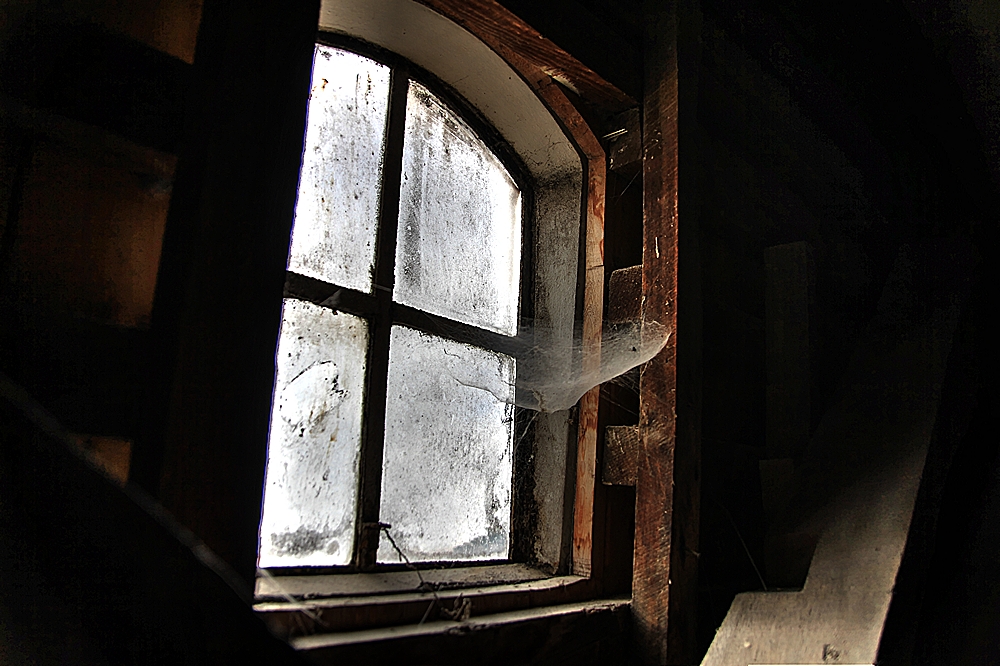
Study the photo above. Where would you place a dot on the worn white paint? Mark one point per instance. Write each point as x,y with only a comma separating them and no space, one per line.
459,59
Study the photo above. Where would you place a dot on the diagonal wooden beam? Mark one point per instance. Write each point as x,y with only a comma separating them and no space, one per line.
510,36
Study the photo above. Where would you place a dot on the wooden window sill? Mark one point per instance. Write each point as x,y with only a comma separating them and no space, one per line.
400,601
582,625
280,588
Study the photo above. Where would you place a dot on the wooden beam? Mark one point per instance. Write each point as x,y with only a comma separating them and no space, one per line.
625,295
595,165
581,633
203,448
625,139
513,39
309,617
664,589
98,144
658,381
621,446
80,70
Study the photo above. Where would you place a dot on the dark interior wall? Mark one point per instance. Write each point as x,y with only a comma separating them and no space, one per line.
806,132
842,128
92,100
768,175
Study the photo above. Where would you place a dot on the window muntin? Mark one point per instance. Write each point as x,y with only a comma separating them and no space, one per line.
482,535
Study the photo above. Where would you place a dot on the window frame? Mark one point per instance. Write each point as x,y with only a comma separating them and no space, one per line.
572,578
382,313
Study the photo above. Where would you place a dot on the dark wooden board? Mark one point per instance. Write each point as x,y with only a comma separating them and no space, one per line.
510,36
664,590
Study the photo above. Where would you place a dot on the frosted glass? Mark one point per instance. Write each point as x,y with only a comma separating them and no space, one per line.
446,472
458,244
311,487
336,213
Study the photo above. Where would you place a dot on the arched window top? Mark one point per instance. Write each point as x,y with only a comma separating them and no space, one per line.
459,206
469,66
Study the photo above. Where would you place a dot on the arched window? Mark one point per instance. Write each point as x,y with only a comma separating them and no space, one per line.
395,390
436,213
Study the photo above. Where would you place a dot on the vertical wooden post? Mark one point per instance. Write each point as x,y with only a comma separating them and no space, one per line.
593,316
218,296
595,163
664,587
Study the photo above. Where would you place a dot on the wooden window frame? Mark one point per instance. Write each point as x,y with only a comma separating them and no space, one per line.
332,603
382,313
201,447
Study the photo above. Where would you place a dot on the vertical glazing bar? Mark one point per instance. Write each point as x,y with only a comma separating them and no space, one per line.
381,326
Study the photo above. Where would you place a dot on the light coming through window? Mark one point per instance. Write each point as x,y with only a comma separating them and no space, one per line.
403,290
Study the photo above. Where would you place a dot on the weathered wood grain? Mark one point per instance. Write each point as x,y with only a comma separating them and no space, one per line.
510,36
625,295
658,382
593,306
664,590
582,633
621,445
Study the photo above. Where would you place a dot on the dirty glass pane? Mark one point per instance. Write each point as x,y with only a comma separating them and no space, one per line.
311,488
336,212
458,245
446,472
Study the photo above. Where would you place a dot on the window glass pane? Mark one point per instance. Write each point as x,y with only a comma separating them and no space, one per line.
311,488
458,245
446,472
337,208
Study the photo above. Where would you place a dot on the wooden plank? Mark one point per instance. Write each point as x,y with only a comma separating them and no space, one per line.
625,295
289,619
625,139
203,448
593,313
78,70
664,590
582,633
657,388
98,144
337,585
512,38
621,446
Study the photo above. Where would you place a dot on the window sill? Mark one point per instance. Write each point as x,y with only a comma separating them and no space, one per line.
281,588
399,601
594,629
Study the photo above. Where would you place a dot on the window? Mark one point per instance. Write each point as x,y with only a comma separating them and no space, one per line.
404,41
393,397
